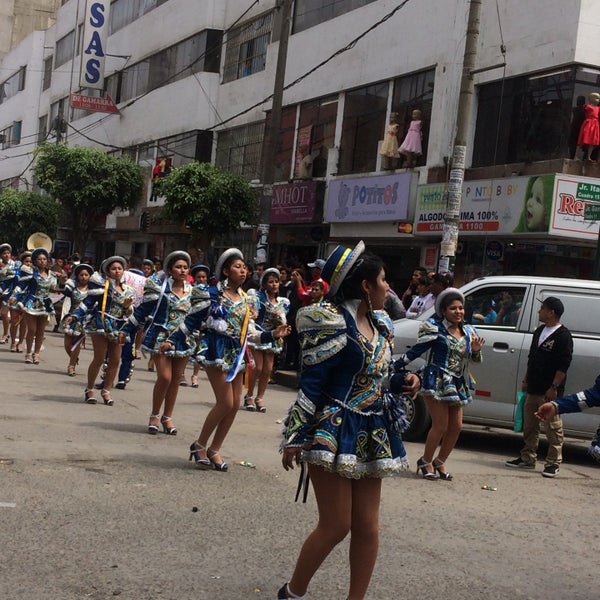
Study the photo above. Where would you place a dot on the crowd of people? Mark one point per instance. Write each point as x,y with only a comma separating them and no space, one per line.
344,427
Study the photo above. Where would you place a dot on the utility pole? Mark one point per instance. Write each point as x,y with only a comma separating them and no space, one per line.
457,171
273,131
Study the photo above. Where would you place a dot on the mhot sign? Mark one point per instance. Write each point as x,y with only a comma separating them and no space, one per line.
294,202
95,33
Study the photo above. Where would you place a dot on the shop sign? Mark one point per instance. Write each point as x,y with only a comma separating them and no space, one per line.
93,103
498,206
294,202
494,250
95,34
571,201
383,198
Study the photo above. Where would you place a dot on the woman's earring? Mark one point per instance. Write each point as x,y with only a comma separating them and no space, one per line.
369,303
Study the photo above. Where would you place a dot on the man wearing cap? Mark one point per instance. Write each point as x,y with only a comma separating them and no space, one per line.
304,292
550,355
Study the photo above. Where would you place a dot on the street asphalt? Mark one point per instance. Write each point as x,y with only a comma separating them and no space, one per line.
92,507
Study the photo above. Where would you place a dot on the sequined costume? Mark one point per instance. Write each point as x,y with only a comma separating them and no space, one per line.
446,377
32,291
8,280
104,309
160,312
76,296
268,316
337,417
224,322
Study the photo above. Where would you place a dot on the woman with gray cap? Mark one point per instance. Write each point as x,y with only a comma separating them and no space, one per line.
225,311
445,380
7,271
166,303
103,312
32,296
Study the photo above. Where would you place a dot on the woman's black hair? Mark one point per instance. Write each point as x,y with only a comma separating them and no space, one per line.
368,266
229,262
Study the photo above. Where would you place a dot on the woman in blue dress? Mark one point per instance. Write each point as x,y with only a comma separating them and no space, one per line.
32,296
103,312
337,425
166,303
446,381
270,311
7,271
76,289
226,312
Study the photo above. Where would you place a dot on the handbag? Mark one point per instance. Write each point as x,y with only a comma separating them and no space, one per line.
518,427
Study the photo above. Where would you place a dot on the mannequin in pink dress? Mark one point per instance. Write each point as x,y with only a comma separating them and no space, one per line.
589,134
389,147
411,146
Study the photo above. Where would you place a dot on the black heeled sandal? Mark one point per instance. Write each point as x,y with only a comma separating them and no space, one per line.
219,466
106,396
260,405
202,463
89,396
249,403
153,427
169,430
444,475
424,472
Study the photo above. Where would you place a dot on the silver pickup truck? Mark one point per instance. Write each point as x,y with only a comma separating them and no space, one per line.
504,309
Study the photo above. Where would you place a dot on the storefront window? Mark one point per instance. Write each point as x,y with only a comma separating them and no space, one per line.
363,127
532,118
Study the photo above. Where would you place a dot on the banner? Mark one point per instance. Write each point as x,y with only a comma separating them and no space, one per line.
93,49
294,202
572,195
383,198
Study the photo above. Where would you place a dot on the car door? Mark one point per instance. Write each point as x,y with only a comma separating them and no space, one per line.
500,313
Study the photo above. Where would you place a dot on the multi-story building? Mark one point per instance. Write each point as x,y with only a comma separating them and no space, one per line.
194,81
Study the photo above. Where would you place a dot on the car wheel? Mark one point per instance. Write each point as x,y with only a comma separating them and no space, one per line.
417,417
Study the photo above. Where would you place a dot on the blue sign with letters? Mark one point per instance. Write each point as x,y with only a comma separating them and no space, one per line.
93,53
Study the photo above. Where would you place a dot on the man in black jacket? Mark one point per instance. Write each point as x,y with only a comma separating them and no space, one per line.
549,358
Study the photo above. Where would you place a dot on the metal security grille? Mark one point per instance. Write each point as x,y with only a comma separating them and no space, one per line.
239,150
246,51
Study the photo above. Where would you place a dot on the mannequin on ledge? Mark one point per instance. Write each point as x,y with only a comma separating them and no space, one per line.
589,134
389,148
411,147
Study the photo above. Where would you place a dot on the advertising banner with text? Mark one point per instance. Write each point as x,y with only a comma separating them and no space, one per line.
382,198
491,206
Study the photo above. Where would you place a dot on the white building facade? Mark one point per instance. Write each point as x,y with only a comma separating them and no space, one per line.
192,80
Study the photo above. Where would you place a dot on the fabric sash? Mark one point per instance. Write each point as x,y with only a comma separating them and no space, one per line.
104,301
243,342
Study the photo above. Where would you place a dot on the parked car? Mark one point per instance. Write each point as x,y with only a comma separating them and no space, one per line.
504,309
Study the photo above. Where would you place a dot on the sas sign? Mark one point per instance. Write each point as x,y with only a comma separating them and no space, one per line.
95,32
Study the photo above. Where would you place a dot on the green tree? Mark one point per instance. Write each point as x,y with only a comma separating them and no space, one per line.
208,201
89,184
23,213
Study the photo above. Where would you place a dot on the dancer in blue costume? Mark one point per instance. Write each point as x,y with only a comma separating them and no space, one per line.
18,326
166,303
7,272
103,312
270,312
446,379
76,289
337,424
227,315
32,296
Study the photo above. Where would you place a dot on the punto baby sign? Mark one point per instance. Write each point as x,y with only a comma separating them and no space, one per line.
93,53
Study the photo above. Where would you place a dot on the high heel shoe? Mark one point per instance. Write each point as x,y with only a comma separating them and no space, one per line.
35,359
89,396
107,397
195,383
285,593
444,475
153,427
424,472
29,359
71,370
260,405
13,347
168,429
249,403
202,463
220,465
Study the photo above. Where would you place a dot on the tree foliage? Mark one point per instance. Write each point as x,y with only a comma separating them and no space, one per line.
23,213
88,183
207,200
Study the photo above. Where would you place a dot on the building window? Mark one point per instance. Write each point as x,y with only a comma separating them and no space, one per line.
79,39
65,47
239,150
363,126
47,73
308,13
532,118
13,85
246,50
186,147
11,136
284,143
414,92
123,12
316,129
201,52
42,128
